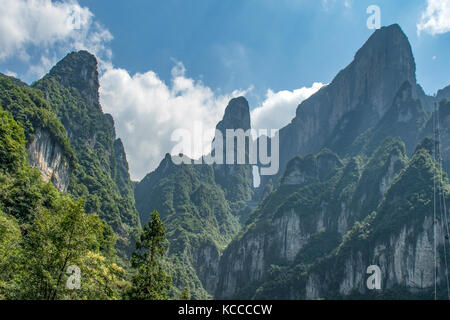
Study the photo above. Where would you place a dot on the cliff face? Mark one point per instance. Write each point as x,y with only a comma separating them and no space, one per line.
202,207
333,215
356,99
236,180
48,146
304,244
48,156
101,177
399,241
306,214
443,94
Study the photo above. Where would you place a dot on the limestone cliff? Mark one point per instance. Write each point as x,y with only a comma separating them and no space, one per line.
48,156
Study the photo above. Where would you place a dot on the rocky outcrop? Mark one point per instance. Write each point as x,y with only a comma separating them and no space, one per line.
237,115
319,197
404,119
235,179
48,156
311,168
443,94
101,177
201,205
356,99
406,260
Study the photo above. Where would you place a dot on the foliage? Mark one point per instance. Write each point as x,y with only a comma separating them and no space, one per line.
185,294
197,217
151,282
43,232
28,107
101,177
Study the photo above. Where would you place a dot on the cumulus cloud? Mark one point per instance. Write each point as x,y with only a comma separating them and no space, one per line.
278,109
52,28
145,108
147,111
436,17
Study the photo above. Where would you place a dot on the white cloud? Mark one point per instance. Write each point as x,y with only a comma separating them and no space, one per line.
436,17
147,110
53,28
278,109
10,73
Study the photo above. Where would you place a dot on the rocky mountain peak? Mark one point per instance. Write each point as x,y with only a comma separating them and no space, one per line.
237,115
79,70
389,48
357,98
443,94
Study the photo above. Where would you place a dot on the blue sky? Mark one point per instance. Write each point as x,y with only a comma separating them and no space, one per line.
167,63
266,43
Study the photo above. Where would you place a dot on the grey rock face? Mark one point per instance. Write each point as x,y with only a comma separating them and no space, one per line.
404,119
406,259
237,115
207,266
355,100
443,94
235,179
48,156
280,239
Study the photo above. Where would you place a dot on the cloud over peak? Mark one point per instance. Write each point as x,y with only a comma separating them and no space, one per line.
436,17
147,111
278,109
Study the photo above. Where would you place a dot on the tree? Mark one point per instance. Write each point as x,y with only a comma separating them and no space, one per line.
62,237
150,282
185,294
10,250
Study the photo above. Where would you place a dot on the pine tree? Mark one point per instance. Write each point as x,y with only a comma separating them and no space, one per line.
185,294
151,281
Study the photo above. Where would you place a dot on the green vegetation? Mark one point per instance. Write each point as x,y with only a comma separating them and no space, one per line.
101,176
151,282
407,204
29,107
43,232
198,219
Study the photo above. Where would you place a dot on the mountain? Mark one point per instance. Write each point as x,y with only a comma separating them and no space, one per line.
202,207
355,189
236,180
356,99
398,237
360,166
405,119
101,175
48,147
443,94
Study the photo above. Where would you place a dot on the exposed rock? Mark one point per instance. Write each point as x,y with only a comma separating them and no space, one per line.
48,156
235,179
443,94
311,168
355,100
